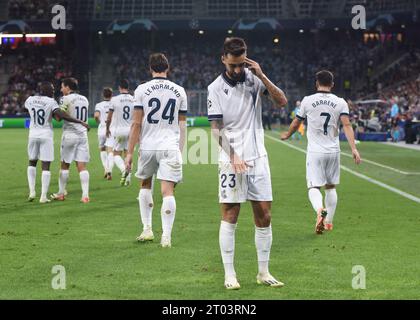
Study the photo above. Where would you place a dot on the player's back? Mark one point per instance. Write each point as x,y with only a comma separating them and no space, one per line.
322,111
40,109
162,101
103,109
122,106
76,106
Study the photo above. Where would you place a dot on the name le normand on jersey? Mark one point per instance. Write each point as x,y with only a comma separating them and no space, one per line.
160,86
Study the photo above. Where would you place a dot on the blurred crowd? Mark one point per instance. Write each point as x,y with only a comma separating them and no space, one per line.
29,9
30,67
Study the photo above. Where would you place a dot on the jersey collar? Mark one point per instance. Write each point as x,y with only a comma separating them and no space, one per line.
322,91
232,82
160,78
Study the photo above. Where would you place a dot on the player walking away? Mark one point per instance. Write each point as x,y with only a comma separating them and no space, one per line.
42,108
101,115
323,112
160,121
74,142
120,115
234,109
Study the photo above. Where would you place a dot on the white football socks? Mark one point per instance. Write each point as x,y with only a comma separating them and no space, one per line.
45,181
31,172
84,181
315,196
110,162
263,240
119,162
227,246
62,181
104,159
146,208
330,203
168,215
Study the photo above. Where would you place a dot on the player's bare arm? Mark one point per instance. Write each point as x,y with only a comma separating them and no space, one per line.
65,116
97,116
108,123
134,135
238,164
348,131
292,129
276,94
183,130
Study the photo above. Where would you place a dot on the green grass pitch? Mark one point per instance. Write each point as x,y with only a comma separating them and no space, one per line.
96,243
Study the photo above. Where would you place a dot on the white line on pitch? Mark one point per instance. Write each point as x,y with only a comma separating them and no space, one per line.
357,174
382,165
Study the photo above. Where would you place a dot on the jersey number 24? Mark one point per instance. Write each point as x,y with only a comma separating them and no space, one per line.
167,114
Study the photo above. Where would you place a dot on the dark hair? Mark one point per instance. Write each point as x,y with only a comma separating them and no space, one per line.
234,46
123,84
158,62
72,83
46,89
107,93
325,78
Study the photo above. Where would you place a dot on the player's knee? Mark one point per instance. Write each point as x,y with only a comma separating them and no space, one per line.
329,186
32,163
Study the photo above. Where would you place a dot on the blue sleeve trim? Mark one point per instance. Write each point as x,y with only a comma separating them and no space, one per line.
215,116
300,118
183,111
138,107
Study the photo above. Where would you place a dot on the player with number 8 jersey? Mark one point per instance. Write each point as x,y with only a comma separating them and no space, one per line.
119,115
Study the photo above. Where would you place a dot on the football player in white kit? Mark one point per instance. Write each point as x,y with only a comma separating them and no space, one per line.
101,116
42,108
323,112
120,116
160,121
74,142
234,109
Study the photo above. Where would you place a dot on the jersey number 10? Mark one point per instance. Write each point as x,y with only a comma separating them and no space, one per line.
81,113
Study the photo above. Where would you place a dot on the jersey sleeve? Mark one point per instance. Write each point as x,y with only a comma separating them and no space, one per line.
183,108
261,87
26,106
54,106
138,99
214,110
344,109
301,114
64,103
112,105
97,108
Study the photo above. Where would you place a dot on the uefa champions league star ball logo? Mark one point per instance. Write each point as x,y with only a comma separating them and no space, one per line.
208,104
194,24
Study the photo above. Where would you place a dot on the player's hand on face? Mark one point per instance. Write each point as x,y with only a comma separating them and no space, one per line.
254,67
128,162
284,136
356,157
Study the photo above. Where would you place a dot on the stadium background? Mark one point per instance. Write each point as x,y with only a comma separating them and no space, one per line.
376,70
106,40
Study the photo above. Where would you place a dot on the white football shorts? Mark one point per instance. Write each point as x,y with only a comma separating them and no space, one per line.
322,169
41,149
254,185
74,149
167,165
